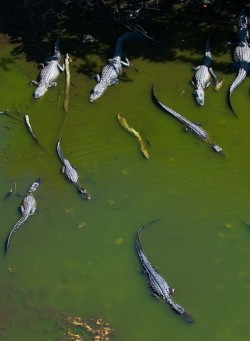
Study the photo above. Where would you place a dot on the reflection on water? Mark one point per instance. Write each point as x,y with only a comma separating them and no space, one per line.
78,258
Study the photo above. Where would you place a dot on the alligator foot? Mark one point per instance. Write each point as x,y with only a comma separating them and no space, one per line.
219,84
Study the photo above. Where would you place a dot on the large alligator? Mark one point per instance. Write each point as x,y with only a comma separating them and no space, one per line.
51,70
28,208
202,76
158,284
193,127
111,72
241,55
70,172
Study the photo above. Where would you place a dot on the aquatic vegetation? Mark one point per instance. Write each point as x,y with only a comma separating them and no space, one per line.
132,131
97,327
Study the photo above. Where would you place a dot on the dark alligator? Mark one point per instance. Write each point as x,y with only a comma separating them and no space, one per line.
202,76
111,72
241,55
70,172
28,208
51,70
193,127
158,284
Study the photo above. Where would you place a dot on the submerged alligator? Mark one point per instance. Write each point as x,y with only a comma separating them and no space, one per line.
158,284
113,69
202,76
28,208
70,172
193,127
51,70
241,55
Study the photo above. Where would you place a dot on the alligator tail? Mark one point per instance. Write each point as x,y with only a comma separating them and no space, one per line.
239,79
126,36
208,54
59,150
57,50
20,222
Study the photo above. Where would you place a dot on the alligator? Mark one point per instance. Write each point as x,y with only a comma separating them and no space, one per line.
113,69
27,121
51,70
193,127
28,208
158,284
70,172
241,55
202,76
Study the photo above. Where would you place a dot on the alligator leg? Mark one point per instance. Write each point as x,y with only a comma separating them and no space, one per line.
61,68
127,63
34,82
218,84
196,68
52,84
96,77
63,169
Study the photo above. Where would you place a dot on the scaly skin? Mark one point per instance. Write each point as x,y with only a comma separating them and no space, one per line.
203,75
70,172
158,284
111,72
28,208
49,73
241,56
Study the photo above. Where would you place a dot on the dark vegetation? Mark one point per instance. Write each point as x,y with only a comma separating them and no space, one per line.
182,24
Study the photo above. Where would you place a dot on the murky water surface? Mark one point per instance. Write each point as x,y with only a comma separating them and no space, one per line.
78,258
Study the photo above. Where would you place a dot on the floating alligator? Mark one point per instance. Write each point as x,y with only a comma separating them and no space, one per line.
202,76
241,55
158,284
28,208
51,70
132,131
70,172
27,121
113,69
193,127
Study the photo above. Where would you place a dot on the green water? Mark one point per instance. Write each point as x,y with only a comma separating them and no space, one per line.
78,258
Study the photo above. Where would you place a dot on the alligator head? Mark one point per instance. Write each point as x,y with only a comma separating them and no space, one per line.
199,96
97,92
40,91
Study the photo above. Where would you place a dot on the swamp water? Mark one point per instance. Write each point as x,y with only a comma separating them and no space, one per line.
78,258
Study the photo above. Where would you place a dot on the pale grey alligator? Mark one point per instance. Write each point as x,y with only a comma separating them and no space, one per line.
158,284
70,172
202,76
28,208
50,72
241,55
193,127
111,72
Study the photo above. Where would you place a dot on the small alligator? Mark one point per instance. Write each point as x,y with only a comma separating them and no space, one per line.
202,76
70,172
113,69
195,128
49,73
158,284
241,55
28,208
